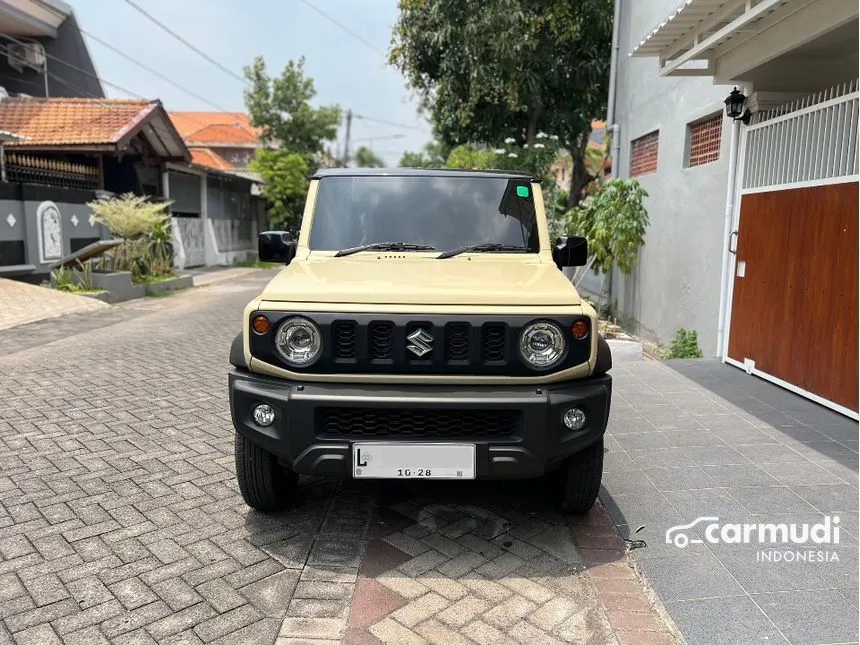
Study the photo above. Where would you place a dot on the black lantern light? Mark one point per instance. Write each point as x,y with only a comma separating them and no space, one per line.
735,106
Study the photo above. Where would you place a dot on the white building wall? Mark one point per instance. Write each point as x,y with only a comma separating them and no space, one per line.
677,283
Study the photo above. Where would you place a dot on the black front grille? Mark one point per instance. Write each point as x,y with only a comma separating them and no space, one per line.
494,342
384,422
453,344
344,338
381,339
457,341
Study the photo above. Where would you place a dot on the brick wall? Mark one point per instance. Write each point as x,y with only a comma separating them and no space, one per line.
643,154
704,140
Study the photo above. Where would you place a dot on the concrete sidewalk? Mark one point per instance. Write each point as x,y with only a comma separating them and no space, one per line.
22,303
691,439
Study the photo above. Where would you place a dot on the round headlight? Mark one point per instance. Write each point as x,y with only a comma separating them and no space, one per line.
542,345
299,341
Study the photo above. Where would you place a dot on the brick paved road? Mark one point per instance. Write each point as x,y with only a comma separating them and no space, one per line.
120,520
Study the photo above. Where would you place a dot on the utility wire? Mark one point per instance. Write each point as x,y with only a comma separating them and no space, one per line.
390,123
77,69
199,51
86,94
344,28
104,102
154,72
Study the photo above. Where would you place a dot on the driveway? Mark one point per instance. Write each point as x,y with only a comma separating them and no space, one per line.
24,303
693,439
120,520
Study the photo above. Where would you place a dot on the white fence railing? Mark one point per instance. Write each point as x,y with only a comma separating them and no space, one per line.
811,139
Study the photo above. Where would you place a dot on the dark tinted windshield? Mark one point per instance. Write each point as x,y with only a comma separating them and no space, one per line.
443,212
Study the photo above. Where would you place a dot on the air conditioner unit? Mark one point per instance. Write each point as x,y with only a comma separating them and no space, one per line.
21,55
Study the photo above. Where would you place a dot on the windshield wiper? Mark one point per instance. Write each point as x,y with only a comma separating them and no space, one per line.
483,248
385,246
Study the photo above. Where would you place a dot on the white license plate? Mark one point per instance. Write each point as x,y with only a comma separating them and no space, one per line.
378,460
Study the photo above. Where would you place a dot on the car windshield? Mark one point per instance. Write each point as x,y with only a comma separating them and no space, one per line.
443,212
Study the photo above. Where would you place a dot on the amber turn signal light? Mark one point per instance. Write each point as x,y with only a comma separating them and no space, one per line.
260,324
579,329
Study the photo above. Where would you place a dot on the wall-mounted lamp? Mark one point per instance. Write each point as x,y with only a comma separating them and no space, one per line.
736,106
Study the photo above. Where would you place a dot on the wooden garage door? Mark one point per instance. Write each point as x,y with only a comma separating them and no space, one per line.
795,306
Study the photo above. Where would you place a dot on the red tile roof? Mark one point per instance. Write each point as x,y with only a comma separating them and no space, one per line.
71,121
210,159
201,128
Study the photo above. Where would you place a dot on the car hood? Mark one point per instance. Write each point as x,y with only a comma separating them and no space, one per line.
422,281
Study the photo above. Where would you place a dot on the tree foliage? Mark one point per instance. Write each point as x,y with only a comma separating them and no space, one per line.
293,132
614,221
367,158
286,176
281,108
495,69
434,155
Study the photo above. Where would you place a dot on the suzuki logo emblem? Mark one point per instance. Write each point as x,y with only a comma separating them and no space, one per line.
422,342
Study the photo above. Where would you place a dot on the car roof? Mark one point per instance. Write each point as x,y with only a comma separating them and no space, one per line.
419,172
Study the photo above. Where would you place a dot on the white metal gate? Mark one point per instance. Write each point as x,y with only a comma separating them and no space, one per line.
809,142
813,139
193,240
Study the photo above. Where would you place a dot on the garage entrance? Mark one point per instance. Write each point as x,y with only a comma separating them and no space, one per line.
794,302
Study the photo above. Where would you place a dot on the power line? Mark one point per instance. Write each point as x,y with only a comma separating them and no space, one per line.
390,123
346,29
154,72
78,69
197,50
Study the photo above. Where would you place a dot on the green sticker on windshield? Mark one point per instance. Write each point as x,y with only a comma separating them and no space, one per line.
522,191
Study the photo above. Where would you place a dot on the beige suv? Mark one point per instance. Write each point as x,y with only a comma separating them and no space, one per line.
421,328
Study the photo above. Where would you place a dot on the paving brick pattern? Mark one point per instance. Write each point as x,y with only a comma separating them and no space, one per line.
121,522
489,563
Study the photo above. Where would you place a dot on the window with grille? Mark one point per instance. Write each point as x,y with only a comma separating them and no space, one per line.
643,154
703,140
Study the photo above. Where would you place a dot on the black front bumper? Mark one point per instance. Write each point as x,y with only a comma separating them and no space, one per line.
538,439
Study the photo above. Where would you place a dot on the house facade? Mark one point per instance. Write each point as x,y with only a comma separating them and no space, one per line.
67,152
217,208
753,234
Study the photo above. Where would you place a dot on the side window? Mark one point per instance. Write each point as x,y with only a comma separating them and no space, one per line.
644,153
703,140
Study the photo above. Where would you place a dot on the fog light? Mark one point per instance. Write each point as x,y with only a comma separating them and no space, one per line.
574,418
264,415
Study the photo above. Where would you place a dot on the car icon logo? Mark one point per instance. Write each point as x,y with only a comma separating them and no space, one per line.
680,539
422,342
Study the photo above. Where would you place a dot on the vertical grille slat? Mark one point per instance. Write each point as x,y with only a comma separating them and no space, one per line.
381,339
493,342
457,341
344,334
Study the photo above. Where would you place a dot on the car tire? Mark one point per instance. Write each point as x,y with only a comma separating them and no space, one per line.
578,479
265,484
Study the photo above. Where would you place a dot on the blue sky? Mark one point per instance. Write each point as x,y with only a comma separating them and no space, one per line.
345,70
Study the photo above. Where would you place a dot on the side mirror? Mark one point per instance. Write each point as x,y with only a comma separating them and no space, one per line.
570,252
276,246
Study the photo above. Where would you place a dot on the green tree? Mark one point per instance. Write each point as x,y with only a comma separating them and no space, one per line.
614,221
433,155
281,108
286,177
509,68
294,132
470,158
367,158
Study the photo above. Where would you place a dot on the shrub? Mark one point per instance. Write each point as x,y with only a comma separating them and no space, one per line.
685,344
613,220
144,226
129,216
